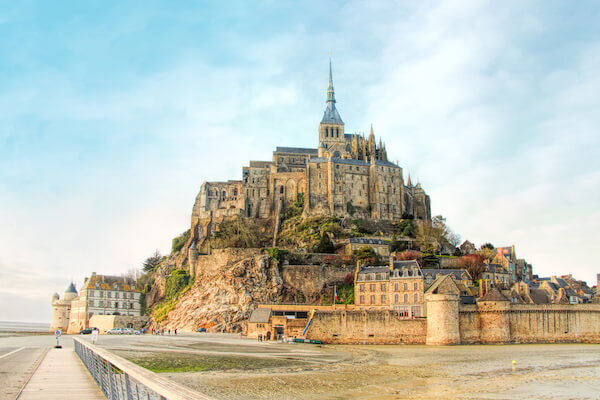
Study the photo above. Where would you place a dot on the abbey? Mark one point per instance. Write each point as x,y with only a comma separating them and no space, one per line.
347,175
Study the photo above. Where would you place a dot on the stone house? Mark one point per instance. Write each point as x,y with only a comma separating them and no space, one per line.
380,246
497,274
459,276
399,286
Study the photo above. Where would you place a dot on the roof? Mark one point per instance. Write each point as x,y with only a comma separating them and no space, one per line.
108,282
260,315
71,289
496,268
368,241
296,150
386,163
538,296
446,271
493,295
373,269
340,161
406,263
331,115
560,282
433,289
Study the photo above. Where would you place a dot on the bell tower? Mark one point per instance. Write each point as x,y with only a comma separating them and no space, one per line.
331,128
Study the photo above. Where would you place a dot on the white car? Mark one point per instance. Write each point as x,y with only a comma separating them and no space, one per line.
115,331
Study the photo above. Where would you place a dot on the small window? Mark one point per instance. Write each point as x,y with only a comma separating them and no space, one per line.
372,299
318,165
362,299
406,298
362,287
416,297
372,287
416,286
406,286
396,298
383,287
396,284
337,166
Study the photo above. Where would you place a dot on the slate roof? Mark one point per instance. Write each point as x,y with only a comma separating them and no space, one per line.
405,263
386,163
538,296
561,282
260,315
444,271
433,289
362,240
493,295
296,150
496,268
108,282
331,115
340,161
71,289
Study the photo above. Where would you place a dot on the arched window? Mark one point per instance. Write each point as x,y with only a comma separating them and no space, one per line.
224,194
337,132
281,189
406,298
396,289
416,286
235,192
326,132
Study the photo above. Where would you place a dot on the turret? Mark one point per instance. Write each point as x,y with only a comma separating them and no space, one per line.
192,257
71,292
331,128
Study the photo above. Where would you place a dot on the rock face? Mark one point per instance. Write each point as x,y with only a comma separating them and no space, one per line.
228,283
310,280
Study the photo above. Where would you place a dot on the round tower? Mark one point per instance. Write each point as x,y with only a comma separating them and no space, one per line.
60,314
70,293
442,319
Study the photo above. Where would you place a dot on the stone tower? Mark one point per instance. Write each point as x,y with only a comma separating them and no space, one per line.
442,312
192,257
332,142
62,308
493,317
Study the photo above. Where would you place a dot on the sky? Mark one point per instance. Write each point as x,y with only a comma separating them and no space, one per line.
112,114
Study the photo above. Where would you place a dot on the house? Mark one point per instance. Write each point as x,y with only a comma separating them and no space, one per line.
380,246
458,275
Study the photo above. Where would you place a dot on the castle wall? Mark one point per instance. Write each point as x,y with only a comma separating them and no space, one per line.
523,323
373,327
107,322
311,279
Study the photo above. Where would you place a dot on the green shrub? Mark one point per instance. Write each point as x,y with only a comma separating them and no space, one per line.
175,283
325,245
277,254
180,241
161,310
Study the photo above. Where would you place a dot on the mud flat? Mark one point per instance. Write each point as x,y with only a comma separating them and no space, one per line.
242,369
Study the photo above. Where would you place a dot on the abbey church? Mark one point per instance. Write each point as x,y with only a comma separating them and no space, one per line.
346,175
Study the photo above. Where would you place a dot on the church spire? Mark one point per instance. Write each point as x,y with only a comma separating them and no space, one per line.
408,183
330,91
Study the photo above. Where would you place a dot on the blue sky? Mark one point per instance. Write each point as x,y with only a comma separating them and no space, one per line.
113,114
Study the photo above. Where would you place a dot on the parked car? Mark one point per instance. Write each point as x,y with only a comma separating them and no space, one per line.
86,331
131,331
201,330
115,331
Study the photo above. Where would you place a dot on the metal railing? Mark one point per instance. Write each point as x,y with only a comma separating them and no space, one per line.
120,379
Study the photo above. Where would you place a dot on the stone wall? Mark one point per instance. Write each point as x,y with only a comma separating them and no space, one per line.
374,327
107,322
520,323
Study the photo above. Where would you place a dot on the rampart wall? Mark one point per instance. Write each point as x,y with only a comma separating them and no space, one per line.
374,327
519,323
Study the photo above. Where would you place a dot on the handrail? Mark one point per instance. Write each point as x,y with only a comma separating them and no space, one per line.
119,378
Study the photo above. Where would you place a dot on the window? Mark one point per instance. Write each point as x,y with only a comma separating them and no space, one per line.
383,287
318,165
91,303
131,295
337,132
406,286
357,168
403,312
362,299
383,299
406,298
416,311
337,167
416,286
109,295
362,287
396,286
372,287
326,132
131,306
416,299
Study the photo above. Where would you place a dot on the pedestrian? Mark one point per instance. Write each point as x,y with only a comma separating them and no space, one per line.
260,337
175,331
169,331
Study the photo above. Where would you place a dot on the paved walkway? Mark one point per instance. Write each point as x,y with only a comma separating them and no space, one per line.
61,375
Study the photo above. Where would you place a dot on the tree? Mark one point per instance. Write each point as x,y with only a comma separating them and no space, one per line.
453,238
366,254
487,246
152,262
325,244
431,236
487,253
474,263
410,255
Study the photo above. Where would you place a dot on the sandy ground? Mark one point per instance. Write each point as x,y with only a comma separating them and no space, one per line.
556,371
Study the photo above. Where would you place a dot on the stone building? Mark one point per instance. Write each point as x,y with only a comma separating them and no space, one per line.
99,295
62,308
399,286
347,174
380,246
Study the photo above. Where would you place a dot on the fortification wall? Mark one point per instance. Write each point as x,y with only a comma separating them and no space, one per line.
373,327
517,323
311,279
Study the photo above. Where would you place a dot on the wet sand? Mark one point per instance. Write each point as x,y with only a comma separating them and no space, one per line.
544,371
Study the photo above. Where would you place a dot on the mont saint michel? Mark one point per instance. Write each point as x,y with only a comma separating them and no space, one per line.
318,200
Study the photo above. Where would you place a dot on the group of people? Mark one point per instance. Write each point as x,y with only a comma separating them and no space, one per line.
162,331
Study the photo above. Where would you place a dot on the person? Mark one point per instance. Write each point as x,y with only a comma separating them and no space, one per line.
169,331
260,337
175,331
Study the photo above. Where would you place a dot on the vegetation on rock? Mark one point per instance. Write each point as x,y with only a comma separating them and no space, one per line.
180,241
240,232
325,245
152,262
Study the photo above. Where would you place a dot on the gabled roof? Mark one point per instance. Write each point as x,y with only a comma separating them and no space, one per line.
446,271
493,295
363,240
331,115
373,270
443,280
296,150
260,315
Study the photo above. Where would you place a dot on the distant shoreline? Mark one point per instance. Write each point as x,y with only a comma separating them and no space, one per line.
24,327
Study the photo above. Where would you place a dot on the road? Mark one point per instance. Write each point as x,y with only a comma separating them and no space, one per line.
19,355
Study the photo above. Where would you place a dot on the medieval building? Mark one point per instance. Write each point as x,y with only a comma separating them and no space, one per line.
347,174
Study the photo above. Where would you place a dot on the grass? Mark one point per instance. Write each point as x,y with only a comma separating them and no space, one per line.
185,362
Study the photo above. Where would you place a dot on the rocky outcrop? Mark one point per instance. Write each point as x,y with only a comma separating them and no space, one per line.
228,284
311,280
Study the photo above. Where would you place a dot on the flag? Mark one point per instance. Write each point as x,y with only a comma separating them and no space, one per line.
334,294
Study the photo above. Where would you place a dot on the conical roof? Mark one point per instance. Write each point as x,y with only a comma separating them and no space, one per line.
71,289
